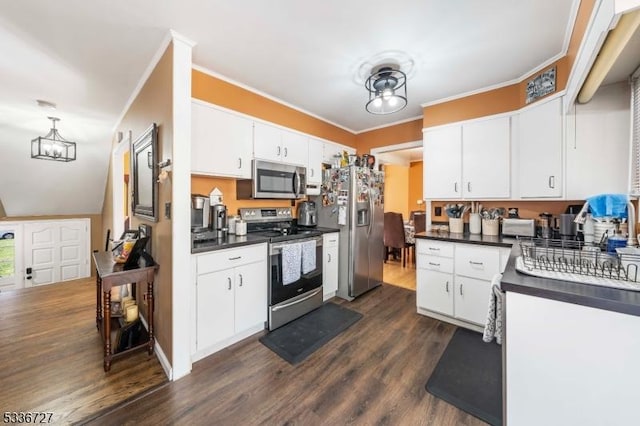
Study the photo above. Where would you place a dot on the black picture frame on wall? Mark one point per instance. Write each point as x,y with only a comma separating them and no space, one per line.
144,172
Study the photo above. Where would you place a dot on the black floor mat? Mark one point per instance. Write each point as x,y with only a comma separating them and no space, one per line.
469,376
298,339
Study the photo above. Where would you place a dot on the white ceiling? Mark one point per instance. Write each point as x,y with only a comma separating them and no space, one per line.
87,57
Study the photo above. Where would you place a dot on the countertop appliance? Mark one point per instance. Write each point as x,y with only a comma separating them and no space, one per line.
292,300
199,213
352,200
219,220
273,180
518,227
307,214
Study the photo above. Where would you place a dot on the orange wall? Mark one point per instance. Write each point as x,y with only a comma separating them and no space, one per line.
415,186
579,28
400,133
396,182
526,209
211,89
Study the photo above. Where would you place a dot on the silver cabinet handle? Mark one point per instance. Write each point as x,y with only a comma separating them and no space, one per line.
455,186
468,186
229,278
312,172
285,151
447,286
552,182
278,152
240,276
235,258
239,162
476,263
329,256
434,264
461,290
434,249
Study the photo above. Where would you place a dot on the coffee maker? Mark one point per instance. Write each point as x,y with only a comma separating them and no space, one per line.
219,220
199,213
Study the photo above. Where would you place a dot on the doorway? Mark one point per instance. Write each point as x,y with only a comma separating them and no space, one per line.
10,258
120,184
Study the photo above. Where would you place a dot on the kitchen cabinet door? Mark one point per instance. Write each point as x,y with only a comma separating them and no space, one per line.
434,291
250,295
295,148
486,158
471,299
314,168
330,265
221,142
215,308
442,159
267,142
540,150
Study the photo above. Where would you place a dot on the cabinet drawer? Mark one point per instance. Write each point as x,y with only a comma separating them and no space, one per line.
477,262
330,240
224,259
435,263
434,248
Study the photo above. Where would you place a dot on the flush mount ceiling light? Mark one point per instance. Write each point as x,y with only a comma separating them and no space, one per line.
53,146
387,89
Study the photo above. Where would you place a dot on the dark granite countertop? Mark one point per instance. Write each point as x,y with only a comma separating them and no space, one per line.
607,298
232,241
610,299
486,240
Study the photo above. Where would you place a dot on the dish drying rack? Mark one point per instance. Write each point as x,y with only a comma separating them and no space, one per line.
574,261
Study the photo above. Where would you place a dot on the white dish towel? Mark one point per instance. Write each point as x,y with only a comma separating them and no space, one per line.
493,325
308,256
291,260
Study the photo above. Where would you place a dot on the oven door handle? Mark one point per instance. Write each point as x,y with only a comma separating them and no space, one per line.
286,305
273,248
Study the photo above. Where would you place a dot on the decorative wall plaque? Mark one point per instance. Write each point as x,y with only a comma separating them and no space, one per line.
541,85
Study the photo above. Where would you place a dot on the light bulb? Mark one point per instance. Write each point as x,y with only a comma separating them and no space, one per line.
393,101
387,93
377,102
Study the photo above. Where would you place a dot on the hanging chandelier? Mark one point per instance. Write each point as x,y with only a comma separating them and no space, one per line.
53,146
387,89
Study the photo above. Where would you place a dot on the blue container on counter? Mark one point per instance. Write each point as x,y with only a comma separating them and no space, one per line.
614,242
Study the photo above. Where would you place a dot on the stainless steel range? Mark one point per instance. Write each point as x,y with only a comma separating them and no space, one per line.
292,292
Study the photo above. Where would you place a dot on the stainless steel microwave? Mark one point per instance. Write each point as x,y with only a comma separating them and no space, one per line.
273,180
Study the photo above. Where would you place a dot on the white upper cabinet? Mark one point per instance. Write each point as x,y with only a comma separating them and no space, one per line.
469,160
314,169
276,144
442,158
221,142
486,157
539,139
598,144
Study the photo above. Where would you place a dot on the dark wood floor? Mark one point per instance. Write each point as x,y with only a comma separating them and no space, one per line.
373,373
51,355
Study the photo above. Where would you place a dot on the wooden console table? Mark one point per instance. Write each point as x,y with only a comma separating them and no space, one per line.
111,274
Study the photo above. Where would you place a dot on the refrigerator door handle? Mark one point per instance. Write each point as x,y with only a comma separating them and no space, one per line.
371,213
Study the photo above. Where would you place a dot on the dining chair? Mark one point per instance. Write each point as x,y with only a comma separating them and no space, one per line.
419,221
394,237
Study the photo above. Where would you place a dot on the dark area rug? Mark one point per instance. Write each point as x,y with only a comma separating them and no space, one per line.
469,376
298,339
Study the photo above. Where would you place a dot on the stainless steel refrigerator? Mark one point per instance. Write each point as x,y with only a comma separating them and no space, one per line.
352,200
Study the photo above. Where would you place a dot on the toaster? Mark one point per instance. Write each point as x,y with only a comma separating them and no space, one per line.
519,227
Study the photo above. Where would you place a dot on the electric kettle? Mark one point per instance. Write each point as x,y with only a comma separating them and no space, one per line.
307,215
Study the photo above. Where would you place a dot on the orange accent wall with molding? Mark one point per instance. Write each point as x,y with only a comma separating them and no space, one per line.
415,186
216,91
400,133
396,182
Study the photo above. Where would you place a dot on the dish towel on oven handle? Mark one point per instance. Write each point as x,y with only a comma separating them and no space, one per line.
308,256
291,260
493,325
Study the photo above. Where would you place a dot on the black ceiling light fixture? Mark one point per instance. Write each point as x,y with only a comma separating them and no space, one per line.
53,146
387,87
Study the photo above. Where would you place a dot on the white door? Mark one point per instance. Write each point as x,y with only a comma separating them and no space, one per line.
295,148
443,163
56,251
314,169
214,311
472,299
486,156
267,142
250,295
434,291
10,256
330,266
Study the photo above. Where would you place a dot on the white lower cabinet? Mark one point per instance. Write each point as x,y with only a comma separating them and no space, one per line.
330,265
453,280
231,296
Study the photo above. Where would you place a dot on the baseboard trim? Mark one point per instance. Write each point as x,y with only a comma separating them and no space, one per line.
451,320
164,362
